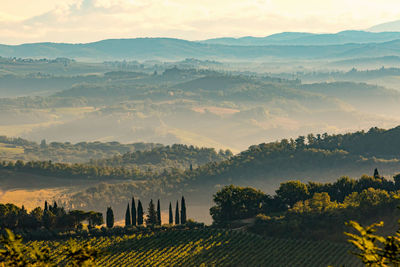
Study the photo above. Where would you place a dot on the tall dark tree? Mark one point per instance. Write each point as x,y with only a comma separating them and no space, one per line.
110,218
170,218
48,219
376,174
139,213
151,215
396,179
133,212
128,216
177,213
183,211
158,213
46,208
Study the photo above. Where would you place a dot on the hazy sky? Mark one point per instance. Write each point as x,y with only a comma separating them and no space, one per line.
91,20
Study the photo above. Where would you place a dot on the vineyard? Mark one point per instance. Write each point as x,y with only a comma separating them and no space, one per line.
207,247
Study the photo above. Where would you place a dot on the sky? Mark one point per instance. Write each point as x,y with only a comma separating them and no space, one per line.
80,21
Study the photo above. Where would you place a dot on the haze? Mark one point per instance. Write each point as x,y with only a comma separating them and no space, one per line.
91,20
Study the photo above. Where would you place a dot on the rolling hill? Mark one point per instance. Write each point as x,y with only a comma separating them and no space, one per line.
392,26
177,49
322,158
300,38
164,157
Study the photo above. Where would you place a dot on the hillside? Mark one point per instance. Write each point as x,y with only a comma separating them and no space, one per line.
177,49
65,152
357,94
133,102
392,26
324,154
300,38
318,158
211,247
159,158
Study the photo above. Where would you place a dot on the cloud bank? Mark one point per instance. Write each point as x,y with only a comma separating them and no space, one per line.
90,20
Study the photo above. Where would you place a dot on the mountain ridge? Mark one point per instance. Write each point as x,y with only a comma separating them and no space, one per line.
386,27
304,38
285,45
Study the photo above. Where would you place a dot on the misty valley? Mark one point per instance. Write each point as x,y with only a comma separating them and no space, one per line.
221,152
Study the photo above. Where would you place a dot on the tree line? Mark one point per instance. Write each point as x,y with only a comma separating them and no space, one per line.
52,217
312,210
135,215
174,156
76,170
235,203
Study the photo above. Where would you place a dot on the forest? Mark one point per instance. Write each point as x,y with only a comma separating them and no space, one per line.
312,211
150,170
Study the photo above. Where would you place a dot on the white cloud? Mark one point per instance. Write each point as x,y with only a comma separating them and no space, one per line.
90,20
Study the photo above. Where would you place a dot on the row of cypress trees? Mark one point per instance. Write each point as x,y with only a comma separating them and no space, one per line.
135,216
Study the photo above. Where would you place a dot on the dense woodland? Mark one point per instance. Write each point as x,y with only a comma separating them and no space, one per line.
65,170
66,152
50,217
309,210
322,155
164,157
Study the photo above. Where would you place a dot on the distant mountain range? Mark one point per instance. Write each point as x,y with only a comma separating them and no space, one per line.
342,45
392,26
300,38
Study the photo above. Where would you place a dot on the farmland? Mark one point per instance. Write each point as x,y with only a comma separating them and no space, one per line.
208,247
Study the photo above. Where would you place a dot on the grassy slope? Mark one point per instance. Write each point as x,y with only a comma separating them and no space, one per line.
213,248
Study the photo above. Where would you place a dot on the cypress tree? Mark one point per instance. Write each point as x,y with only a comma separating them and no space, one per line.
110,218
376,174
152,216
183,211
170,219
46,208
177,213
133,212
48,219
128,216
139,213
158,213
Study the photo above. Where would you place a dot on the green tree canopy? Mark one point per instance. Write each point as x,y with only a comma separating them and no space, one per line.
234,202
291,192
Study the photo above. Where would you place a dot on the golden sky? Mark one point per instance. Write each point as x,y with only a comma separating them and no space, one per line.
91,20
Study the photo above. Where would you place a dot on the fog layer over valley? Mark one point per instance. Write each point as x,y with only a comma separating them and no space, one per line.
132,102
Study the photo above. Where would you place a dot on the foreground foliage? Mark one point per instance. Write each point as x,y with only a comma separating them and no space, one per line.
373,249
14,252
